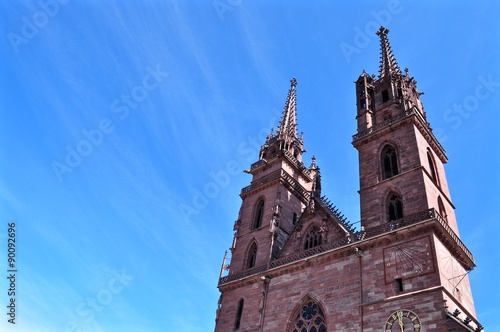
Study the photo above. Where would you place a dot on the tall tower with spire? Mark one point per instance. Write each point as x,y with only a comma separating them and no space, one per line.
404,193
297,265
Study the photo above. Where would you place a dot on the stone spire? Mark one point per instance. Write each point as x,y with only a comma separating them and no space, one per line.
388,64
286,137
288,125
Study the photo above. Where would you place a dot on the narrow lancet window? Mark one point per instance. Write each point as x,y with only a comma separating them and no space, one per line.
442,210
432,168
394,207
259,213
385,96
389,162
239,313
252,256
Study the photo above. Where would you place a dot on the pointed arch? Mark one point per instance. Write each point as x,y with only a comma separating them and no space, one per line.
308,316
258,213
442,210
394,205
432,167
313,237
389,161
239,313
251,255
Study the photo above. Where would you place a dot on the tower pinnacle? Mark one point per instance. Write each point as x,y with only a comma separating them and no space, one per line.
388,64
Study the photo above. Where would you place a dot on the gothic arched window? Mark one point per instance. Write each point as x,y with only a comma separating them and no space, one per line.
389,162
252,256
313,238
394,207
442,210
432,167
310,318
259,214
239,313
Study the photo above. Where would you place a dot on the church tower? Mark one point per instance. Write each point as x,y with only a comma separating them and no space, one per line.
276,196
297,264
404,193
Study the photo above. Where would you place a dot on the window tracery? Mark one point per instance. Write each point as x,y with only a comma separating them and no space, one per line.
394,207
310,318
389,162
313,238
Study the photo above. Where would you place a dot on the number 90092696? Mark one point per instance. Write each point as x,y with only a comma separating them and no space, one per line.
11,243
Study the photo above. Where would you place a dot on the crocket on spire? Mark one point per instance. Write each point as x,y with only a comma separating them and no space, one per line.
388,64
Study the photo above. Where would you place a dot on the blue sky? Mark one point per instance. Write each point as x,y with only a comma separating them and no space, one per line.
125,127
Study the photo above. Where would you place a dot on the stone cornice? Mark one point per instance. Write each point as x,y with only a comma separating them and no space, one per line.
424,222
382,129
279,175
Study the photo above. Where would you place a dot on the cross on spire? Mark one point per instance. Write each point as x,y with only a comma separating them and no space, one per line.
388,64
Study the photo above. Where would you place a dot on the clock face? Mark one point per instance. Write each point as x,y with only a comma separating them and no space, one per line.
403,321
408,259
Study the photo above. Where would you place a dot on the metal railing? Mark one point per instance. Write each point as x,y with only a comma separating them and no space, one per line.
355,237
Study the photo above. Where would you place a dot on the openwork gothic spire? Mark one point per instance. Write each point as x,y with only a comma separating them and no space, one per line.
388,64
285,138
288,125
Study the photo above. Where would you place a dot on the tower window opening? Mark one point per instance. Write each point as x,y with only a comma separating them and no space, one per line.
399,283
385,95
259,214
313,238
442,210
294,218
239,313
252,256
394,207
389,162
362,103
432,168
400,93
372,99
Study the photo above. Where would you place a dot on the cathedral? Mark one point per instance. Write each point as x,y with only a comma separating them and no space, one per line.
297,265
